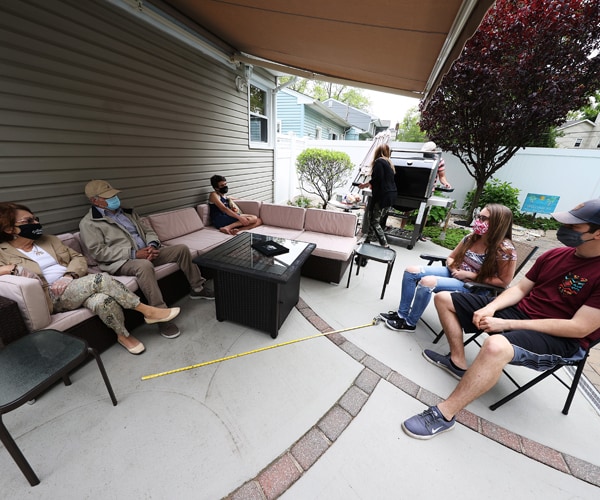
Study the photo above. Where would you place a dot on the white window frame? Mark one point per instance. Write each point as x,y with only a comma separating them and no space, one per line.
318,133
578,142
269,116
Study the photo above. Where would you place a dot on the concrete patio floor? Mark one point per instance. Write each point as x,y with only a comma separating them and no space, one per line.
318,419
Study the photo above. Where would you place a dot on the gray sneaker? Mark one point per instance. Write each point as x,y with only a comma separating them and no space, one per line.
205,294
444,362
169,330
428,424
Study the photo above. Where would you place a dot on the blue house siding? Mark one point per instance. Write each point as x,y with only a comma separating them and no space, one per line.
301,115
290,114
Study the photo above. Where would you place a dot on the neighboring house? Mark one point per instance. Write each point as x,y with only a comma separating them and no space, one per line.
308,117
582,134
364,126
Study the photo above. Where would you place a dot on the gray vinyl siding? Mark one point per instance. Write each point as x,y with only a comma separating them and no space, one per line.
88,91
312,120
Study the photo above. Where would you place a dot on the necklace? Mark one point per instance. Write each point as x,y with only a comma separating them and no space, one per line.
37,250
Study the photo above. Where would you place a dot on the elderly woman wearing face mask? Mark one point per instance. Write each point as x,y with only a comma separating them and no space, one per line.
62,272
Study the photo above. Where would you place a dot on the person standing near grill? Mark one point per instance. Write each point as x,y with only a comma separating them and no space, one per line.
383,189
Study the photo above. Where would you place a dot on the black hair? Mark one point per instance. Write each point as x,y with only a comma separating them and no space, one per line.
215,179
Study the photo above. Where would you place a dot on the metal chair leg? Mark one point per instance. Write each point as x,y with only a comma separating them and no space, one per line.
94,353
17,455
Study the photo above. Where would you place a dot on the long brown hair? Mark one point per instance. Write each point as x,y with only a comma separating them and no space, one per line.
8,218
500,229
383,151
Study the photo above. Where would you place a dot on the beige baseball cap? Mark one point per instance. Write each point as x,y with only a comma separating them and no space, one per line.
100,188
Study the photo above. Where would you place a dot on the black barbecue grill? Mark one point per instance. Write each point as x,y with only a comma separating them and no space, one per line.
416,173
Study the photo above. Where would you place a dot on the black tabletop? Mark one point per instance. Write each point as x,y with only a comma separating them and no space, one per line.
238,255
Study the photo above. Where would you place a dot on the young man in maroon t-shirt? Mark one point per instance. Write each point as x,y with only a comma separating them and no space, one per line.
554,312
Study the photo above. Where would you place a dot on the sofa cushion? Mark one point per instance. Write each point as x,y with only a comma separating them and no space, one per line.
200,241
278,232
169,225
68,319
330,246
328,222
204,213
249,207
282,216
30,297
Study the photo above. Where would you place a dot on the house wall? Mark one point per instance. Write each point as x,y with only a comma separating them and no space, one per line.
290,114
571,174
89,90
584,130
312,120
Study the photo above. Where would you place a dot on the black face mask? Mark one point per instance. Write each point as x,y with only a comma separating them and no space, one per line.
31,231
224,190
569,237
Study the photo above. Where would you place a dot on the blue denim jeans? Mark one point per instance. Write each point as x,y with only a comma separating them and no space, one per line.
415,297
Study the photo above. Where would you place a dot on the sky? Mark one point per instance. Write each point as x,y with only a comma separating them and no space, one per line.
390,107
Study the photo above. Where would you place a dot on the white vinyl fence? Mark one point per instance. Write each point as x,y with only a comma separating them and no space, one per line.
572,174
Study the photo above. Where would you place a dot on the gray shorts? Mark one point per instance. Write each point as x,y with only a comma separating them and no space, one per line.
535,350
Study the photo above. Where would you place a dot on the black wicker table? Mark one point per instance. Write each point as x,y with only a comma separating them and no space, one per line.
254,289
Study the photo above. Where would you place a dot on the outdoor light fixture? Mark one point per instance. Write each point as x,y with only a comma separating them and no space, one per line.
241,82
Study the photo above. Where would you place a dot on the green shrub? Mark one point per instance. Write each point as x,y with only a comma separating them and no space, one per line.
301,201
321,171
495,191
531,222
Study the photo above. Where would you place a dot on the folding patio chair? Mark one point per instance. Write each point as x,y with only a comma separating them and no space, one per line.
577,361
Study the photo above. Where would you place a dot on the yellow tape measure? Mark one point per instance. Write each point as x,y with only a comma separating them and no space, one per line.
373,322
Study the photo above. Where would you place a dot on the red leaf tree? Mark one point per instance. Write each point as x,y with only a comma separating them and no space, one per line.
528,64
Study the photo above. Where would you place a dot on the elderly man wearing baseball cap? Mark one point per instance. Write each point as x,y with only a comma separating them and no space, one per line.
122,244
552,313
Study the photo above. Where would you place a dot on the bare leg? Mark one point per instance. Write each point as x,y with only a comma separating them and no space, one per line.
483,374
452,328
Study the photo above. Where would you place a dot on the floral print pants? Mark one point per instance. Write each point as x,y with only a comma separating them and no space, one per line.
101,294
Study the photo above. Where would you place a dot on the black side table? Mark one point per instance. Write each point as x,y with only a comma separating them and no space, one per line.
366,251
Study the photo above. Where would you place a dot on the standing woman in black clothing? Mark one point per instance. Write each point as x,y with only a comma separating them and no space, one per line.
383,189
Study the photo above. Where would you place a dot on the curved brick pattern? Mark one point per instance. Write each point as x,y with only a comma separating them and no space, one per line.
309,448
284,471
279,476
334,422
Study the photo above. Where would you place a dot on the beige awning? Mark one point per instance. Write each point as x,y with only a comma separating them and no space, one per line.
400,46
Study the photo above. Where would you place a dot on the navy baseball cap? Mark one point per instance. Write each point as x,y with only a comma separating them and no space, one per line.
586,212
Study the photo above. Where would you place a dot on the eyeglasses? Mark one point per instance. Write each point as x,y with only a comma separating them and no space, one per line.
29,220
482,218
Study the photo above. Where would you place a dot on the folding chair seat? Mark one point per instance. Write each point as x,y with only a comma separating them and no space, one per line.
578,361
29,366
524,253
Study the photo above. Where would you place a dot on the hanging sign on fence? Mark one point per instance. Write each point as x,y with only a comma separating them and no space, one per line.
540,203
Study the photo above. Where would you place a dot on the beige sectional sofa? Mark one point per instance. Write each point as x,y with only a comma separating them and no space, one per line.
332,232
